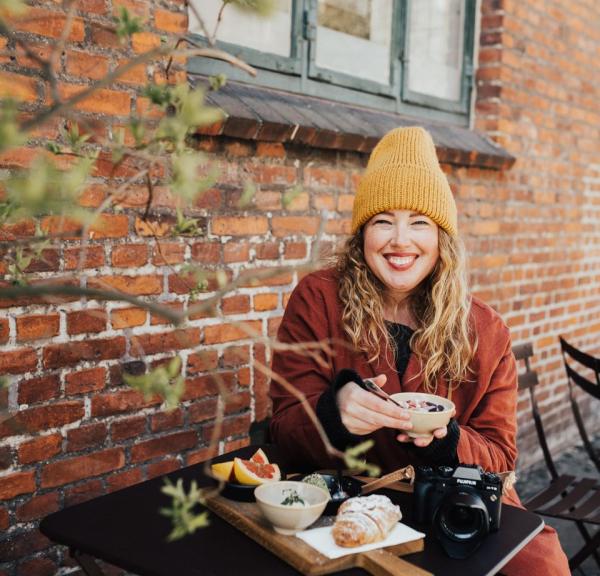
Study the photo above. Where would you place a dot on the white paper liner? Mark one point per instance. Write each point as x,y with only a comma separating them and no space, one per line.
322,540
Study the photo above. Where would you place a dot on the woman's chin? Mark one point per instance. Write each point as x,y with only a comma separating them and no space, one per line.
399,291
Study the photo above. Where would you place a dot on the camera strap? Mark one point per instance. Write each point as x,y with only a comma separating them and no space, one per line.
508,480
400,475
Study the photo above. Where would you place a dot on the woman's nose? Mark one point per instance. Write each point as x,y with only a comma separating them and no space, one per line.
400,236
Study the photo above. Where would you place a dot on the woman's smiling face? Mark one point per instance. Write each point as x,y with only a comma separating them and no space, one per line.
401,249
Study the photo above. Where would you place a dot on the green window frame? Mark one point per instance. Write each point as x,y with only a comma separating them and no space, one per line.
462,105
300,73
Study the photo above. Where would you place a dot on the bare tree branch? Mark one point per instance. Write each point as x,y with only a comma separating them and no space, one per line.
12,292
213,53
209,303
213,39
6,31
331,450
62,106
58,48
150,195
193,8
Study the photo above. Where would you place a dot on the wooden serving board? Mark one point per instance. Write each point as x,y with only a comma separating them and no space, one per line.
246,516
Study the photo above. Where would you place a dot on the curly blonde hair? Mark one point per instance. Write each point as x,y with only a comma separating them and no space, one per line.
443,340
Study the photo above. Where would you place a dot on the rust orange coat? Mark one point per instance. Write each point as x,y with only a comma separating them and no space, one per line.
485,405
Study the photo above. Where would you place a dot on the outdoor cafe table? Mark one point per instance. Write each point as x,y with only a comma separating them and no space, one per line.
125,529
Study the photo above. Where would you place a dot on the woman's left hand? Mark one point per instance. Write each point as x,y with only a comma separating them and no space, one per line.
422,442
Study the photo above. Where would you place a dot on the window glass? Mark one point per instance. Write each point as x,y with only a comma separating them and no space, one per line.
435,51
272,34
354,37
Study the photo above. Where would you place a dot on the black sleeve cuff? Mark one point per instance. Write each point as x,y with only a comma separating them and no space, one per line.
329,414
443,451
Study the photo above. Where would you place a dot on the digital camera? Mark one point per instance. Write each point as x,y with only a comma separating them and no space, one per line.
463,504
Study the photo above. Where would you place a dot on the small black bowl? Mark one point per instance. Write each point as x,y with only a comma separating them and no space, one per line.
350,485
239,492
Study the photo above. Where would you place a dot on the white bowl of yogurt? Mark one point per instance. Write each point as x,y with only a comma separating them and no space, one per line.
291,506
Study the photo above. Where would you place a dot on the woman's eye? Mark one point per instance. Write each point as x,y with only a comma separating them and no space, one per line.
382,221
421,222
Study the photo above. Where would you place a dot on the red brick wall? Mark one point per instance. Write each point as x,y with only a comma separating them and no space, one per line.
533,233
537,260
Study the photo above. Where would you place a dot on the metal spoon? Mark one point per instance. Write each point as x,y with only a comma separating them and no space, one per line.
340,493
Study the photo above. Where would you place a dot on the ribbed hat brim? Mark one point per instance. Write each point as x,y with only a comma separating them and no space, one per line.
405,188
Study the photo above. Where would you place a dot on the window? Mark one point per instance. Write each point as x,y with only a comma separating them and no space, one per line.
353,38
409,56
272,35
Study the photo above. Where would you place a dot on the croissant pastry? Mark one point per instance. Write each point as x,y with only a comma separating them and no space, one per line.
363,520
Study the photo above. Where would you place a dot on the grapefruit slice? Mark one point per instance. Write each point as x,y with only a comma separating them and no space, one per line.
253,473
260,457
222,471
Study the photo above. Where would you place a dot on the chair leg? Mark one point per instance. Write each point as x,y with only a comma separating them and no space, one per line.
582,432
590,547
87,563
588,539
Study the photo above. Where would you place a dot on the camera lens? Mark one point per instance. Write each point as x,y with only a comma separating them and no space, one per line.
462,522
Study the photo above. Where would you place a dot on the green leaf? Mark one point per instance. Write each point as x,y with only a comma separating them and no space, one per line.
186,226
247,195
127,24
217,82
20,259
138,131
54,148
72,136
221,277
44,189
6,209
191,108
200,279
159,95
290,195
164,381
15,7
353,460
10,134
187,111
174,367
185,520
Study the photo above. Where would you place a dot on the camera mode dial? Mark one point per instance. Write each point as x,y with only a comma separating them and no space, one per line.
491,478
445,471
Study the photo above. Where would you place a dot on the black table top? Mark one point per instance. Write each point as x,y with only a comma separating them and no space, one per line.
125,528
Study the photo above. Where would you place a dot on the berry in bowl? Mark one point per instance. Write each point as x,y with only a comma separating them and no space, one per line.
427,412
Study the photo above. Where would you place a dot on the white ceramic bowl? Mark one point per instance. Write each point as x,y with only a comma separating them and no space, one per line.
284,518
424,423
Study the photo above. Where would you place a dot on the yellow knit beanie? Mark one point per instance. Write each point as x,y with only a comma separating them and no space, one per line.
404,173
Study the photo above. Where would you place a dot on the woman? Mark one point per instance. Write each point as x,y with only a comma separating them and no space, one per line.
396,308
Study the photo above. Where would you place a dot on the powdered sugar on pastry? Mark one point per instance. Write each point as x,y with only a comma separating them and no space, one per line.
365,519
364,503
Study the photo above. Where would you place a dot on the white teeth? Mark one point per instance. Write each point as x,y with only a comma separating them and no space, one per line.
400,261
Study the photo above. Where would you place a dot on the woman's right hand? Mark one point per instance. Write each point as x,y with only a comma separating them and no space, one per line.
363,412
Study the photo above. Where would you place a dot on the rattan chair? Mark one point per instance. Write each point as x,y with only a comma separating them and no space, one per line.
576,364
567,497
